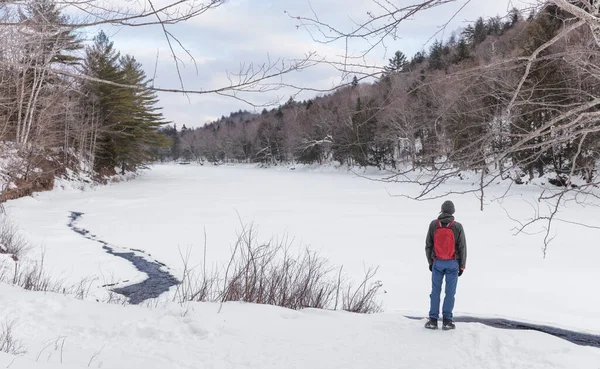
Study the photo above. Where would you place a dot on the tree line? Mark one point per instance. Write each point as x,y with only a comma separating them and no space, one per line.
71,100
497,95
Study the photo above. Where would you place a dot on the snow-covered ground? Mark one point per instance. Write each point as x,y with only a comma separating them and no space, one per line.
56,329
350,220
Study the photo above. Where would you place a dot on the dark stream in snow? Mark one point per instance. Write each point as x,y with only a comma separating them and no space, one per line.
159,280
581,339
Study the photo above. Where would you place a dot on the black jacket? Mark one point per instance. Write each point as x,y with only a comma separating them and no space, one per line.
459,237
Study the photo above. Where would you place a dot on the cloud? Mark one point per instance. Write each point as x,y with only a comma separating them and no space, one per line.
245,31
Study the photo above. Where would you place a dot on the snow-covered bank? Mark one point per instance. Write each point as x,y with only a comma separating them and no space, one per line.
252,336
352,221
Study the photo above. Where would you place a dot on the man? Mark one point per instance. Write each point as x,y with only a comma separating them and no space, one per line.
446,251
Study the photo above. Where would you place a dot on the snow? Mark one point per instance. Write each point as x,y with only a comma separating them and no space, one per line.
255,336
350,220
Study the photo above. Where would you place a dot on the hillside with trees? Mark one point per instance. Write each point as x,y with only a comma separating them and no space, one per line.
64,105
499,94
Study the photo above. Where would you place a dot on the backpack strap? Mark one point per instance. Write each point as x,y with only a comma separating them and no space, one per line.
439,225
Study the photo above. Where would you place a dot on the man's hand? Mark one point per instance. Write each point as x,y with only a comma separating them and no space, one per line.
431,267
460,272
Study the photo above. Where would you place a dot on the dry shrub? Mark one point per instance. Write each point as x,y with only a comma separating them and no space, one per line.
272,273
8,343
32,275
196,285
11,242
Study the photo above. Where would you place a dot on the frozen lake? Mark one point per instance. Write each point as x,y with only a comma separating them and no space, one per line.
350,220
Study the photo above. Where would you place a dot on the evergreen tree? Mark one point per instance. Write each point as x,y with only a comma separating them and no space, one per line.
480,32
436,56
128,120
290,102
354,82
515,16
173,152
494,26
418,58
397,64
103,100
53,42
279,114
139,131
469,34
462,51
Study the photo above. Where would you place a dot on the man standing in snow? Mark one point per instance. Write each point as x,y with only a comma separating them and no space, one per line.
446,251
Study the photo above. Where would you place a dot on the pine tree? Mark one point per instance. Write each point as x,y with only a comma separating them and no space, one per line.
128,120
436,56
103,100
418,58
172,152
515,16
397,64
54,43
462,51
480,32
469,34
494,26
279,114
139,131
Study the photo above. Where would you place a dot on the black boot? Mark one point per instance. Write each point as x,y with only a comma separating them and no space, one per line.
448,324
432,324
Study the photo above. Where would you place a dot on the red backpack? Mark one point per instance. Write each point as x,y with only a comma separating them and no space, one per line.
443,242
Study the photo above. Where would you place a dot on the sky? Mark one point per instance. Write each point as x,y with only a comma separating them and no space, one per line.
245,32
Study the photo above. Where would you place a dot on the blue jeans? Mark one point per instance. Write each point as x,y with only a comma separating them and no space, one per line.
441,268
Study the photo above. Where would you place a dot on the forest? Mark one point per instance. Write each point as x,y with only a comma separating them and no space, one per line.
496,95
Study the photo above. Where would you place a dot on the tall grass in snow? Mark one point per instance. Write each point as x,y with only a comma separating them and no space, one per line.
274,273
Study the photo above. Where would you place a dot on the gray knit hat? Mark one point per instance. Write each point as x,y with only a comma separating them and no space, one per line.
448,207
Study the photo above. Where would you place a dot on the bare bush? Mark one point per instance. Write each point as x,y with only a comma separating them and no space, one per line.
32,275
8,343
362,299
272,273
196,285
11,242
115,299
